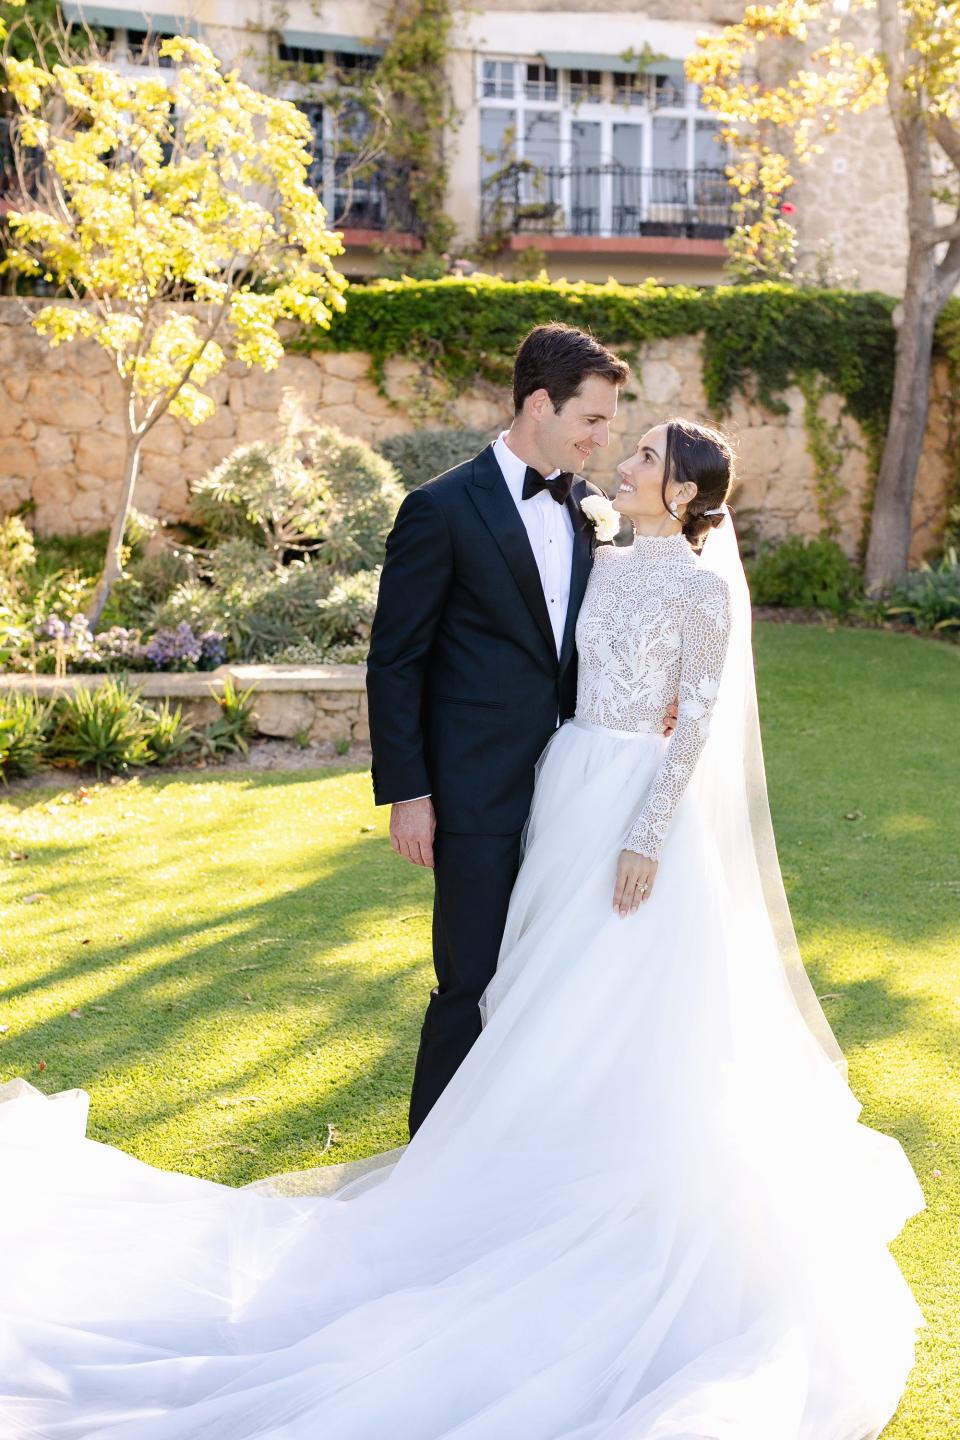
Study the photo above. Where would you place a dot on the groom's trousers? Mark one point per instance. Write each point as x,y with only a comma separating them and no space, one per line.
473,878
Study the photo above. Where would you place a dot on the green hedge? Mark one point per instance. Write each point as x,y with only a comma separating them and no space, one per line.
753,335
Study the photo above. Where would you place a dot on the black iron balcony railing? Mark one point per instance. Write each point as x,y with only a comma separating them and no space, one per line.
606,200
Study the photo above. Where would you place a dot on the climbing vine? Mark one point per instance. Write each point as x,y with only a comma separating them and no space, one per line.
404,106
757,339
826,447
413,73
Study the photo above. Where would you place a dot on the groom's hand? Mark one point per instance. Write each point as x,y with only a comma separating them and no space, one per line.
412,827
670,719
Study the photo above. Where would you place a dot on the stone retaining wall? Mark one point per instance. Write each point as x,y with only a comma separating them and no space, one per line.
61,444
315,702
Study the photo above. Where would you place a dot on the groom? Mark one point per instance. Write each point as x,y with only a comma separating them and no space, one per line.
472,664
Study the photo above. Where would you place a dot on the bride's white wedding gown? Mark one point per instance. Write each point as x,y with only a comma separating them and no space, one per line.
643,1210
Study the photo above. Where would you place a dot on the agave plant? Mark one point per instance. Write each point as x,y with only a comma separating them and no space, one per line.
103,727
24,726
167,734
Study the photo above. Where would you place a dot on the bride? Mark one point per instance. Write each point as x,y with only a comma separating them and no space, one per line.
642,1210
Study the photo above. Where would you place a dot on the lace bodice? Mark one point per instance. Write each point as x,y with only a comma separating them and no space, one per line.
652,629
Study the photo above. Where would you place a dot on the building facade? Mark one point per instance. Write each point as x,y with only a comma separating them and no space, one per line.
578,145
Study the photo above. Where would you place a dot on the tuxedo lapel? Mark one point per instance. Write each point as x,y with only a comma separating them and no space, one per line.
584,543
493,500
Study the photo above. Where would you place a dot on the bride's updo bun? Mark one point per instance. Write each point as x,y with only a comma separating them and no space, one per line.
699,453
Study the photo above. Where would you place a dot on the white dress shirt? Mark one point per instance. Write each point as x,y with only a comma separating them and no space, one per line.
550,531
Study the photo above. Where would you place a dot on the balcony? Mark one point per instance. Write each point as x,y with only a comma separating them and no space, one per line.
607,207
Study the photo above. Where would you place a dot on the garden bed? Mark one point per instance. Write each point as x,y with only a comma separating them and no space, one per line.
307,703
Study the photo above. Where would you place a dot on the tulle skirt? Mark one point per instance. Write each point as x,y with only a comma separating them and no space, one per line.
643,1210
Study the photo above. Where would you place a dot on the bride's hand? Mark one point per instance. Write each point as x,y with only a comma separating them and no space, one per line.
635,877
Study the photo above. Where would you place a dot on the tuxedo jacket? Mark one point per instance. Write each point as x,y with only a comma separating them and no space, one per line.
463,678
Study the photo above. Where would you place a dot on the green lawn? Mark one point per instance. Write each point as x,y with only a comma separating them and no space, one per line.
250,960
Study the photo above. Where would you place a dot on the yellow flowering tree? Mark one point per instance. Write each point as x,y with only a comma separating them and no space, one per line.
174,214
783,76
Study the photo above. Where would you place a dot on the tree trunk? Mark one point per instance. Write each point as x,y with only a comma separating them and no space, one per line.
113,560
891,524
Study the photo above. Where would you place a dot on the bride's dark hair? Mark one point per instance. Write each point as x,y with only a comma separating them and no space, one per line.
701,454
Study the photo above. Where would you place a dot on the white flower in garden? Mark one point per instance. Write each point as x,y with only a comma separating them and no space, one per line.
602,516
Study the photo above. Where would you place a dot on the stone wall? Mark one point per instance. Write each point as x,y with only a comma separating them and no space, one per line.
61,444
324,704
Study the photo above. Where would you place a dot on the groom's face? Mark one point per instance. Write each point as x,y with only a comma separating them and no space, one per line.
570,436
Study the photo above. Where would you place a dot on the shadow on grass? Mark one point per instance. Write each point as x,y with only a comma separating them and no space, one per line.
303,928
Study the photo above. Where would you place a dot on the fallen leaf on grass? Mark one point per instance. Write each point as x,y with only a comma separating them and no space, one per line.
853,815
333,1138
35,899
76,1014
85,942
249,999
16,855
41,1065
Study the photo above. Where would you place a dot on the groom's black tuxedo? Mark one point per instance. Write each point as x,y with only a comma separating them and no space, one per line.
465,688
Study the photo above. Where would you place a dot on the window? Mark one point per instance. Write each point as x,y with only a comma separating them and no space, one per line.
668,92
497,79
670,144
585,85
709,152
352,68
586,152
353,194
300,55
541,83
143,48
541,137
498,133
630,88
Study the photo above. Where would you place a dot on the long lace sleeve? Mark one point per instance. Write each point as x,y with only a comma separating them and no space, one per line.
706,630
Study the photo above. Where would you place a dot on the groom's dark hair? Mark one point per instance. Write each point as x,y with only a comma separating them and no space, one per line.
558,358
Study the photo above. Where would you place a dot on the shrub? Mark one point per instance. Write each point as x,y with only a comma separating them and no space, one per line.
146,584
262,608
263,493
345,615
362,494
24,725
929,597
808,573
102,726
17,550
315,490
422,454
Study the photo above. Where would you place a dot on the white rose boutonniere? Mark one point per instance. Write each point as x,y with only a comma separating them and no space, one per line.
602,516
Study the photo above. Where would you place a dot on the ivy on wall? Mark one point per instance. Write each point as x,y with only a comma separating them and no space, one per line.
757,339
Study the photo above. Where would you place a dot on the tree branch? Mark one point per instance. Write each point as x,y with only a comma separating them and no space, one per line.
947,136
944,232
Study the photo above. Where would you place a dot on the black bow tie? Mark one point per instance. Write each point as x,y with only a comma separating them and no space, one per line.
559,486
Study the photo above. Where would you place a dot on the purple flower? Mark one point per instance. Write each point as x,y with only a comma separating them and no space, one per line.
173,649
213,649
